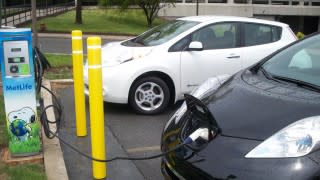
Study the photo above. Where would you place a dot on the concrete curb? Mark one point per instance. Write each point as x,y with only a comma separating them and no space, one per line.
68,36
53,158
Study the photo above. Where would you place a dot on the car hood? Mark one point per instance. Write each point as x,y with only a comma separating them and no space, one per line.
253,107
114,53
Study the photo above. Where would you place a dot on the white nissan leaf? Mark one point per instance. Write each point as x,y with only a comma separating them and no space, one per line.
156,68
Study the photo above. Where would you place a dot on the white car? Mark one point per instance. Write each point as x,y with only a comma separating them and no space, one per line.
157,67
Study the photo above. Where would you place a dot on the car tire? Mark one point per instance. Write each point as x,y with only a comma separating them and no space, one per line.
149,95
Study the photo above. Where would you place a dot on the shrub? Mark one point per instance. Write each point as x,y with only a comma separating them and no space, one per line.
300,35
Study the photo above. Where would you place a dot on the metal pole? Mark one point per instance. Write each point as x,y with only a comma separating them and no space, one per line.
34,23
1,14
25,10
5,12
197,13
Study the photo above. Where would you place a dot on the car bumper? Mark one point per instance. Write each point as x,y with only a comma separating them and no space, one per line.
223,158
115,86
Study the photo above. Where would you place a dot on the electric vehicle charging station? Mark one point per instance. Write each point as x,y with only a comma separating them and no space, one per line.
19,91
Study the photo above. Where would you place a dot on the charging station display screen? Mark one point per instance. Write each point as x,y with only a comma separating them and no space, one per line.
16,60
15,49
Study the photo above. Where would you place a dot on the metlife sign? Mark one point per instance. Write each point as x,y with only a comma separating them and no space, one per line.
20,87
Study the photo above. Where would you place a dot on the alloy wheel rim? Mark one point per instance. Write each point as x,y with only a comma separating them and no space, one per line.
149,96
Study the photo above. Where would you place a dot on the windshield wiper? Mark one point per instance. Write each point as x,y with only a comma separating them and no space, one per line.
267,74
298,82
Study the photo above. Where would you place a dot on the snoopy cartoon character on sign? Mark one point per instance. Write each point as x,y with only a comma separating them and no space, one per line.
19,123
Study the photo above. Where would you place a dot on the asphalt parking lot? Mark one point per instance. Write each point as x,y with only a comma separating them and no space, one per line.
138,135
61,45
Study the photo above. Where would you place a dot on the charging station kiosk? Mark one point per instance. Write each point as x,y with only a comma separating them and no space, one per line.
18,81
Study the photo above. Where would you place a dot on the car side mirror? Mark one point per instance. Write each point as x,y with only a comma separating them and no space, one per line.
195,46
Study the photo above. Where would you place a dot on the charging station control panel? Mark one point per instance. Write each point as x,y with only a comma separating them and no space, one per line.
16,58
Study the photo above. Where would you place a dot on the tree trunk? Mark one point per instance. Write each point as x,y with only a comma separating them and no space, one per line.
149,21
78,12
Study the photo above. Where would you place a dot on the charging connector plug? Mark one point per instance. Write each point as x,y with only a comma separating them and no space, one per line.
202,133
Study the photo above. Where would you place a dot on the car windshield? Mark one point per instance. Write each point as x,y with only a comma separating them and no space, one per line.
299,63
161,34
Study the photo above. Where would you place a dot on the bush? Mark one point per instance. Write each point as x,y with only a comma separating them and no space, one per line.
300,35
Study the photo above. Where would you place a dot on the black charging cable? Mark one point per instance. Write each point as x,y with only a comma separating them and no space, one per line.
44,118
40,65
50,134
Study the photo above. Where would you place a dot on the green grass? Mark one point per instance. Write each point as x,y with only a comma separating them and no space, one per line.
105,21
59,60
3,124
61,66
22,172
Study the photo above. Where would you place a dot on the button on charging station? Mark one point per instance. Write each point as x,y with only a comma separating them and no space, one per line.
14,69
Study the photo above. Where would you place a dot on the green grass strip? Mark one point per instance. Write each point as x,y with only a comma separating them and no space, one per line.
104,21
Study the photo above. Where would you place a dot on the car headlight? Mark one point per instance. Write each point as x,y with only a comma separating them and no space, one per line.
208,86
120,56
296,140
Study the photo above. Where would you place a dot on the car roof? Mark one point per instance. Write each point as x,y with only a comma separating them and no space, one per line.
215,18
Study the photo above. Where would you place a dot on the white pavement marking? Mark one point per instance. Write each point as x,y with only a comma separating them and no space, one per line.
143,149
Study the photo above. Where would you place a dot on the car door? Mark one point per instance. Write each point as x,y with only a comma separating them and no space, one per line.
220,54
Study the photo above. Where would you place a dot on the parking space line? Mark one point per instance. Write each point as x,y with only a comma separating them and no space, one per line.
143,149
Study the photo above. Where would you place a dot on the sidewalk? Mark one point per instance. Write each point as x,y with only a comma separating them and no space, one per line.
79,167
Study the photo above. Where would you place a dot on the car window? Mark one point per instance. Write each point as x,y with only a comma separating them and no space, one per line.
217,36
300,61
161,34
180,45
256,34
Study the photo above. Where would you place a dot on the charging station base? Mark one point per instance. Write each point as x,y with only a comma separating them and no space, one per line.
8,159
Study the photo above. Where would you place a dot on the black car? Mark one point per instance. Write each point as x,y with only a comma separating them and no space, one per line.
261,123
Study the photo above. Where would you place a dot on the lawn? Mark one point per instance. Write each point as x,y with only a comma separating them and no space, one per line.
61,67
3,125
104,21
18,172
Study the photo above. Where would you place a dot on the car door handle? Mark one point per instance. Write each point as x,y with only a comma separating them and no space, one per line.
233,57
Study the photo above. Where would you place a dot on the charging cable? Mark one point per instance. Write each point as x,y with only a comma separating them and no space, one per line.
40,65
202,133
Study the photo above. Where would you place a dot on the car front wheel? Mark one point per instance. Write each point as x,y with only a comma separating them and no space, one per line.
149,95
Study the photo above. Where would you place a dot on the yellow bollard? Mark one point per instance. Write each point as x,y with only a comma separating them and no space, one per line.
79,99
96,107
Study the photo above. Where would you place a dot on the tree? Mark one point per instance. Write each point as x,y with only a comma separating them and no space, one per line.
149,7
78,12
